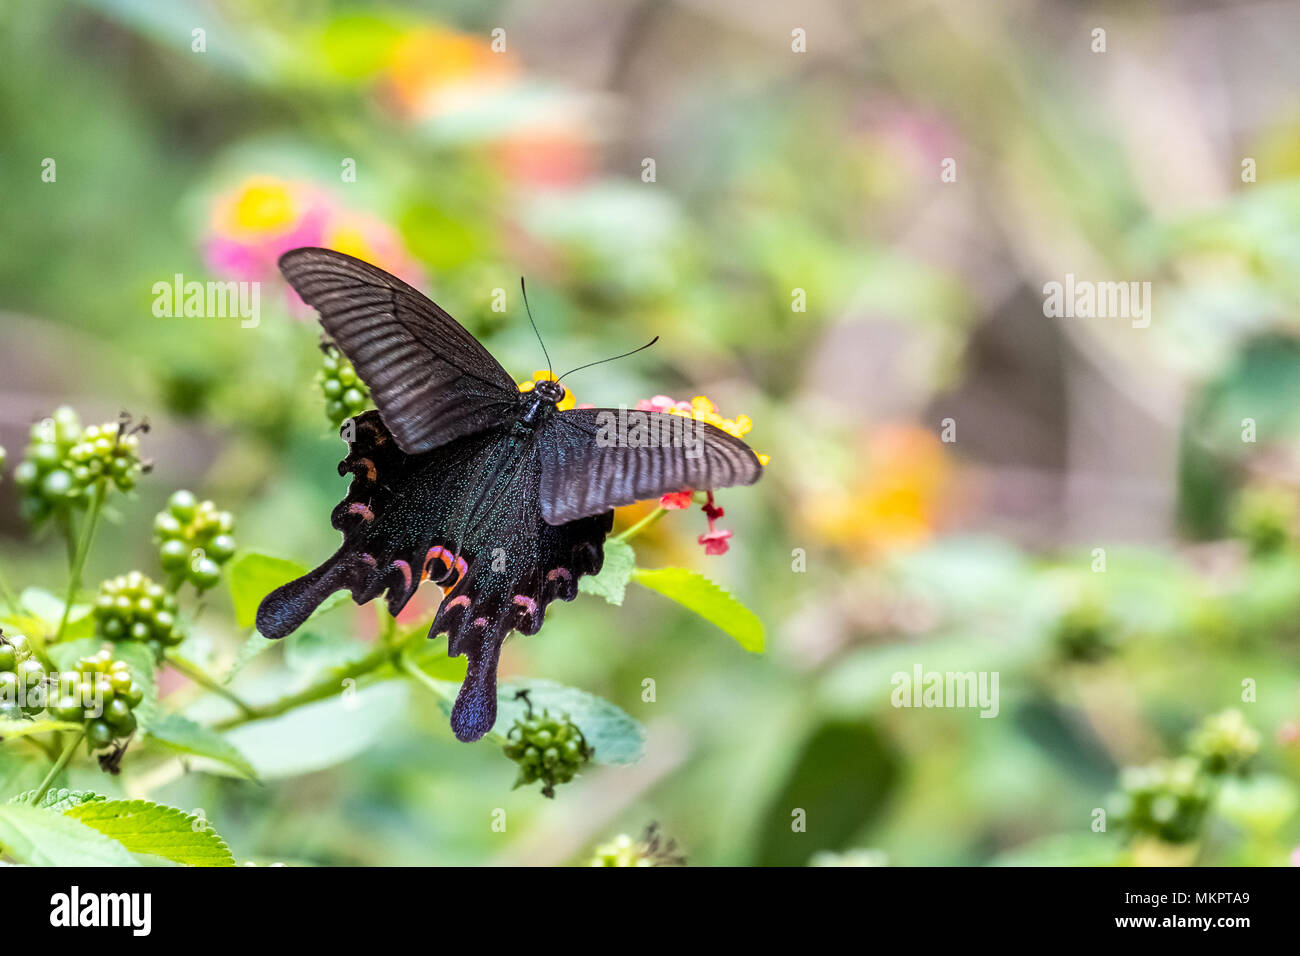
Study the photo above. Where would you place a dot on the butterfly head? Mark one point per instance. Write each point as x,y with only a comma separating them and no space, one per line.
549,391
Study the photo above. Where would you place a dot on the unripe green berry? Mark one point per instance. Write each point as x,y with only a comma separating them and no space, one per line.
182,504
204,573
99,734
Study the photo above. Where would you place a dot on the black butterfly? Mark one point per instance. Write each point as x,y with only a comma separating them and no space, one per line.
460,477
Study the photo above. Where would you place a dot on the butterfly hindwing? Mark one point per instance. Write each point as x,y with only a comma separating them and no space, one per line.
594,459
465,515
430,379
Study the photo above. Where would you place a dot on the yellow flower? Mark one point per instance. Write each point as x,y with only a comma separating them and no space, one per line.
349,238
542,375
702,409
260,206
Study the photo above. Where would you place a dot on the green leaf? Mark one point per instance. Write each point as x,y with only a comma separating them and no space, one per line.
24,728
250,649
322,734
156,830
313,654
49,609
611,583
59,798
697,593
616,737
141,662
357,45
46,838
432,658
252,576
841,781
183,736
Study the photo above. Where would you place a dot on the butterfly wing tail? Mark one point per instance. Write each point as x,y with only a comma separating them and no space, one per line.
475,710
486,605
285,609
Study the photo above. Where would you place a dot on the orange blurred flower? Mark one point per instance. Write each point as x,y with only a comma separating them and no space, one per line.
434,69
896,499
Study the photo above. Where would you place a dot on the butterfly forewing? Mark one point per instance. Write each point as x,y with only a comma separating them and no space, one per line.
430,379
594,459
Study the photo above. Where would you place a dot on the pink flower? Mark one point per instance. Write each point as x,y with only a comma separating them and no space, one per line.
676,500
715,541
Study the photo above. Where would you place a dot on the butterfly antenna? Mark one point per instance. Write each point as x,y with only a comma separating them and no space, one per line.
549,367
611,358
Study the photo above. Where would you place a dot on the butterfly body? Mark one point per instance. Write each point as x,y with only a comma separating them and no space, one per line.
492,493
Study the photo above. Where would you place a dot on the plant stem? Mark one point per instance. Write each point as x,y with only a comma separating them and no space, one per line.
64,520
405,663
197,674
387,624
327,686
58,767
83,550
412,670
10,598
641,525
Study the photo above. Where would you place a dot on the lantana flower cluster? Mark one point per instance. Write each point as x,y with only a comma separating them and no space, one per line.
264,217
715,540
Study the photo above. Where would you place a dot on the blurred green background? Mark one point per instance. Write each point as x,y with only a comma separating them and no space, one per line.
873,545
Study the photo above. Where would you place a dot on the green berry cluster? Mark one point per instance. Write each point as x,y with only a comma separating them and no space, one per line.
650,850
193,540
546,748
22,679
620,851
102,694
131,607
44,476
1224,743
64,462
345,394
1265,518
1167,800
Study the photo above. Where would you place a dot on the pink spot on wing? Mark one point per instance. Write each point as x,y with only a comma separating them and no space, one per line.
357,508
526,603
405,568
480,622
559,573
368,559
458,602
